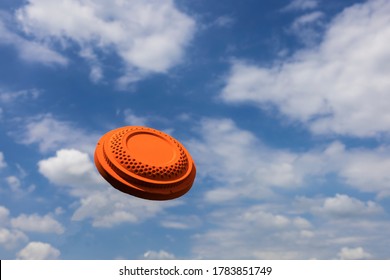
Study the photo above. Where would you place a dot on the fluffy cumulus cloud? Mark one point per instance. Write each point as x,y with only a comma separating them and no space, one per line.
97,200
343,205
37,223
70,167
38,251
9,237
14,230
339,87
149,36
297,5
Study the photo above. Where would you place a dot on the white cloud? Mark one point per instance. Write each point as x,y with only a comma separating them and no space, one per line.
149,36
29,51
308,28
231,156
181,222
70,167
16,96
132,119
109,207
2,161
37,223
13,231
307,19
353,253
224,21
239,169
340,206
343,205
4,216
285,228
96,73
50,134
158,255
368,170
339,87
59,211
98,201
11,238
14,183
301,5
362,168
38,251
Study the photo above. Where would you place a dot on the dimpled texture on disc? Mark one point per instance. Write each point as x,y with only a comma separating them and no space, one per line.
145,162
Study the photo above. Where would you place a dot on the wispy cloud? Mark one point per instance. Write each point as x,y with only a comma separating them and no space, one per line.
149,36
2,160
50,134
308,28
238,157
29,51
299,5
338,87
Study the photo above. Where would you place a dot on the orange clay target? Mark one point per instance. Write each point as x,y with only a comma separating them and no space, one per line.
145,162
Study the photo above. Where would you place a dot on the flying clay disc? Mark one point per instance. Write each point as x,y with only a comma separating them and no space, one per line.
145,162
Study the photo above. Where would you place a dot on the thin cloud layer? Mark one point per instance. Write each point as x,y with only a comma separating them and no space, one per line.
50,134
149,36
339,87
29,51
14,233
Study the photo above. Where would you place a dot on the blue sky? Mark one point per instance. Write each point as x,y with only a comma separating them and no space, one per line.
284,106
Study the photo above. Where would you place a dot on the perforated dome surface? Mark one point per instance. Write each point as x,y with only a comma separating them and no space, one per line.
145,162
